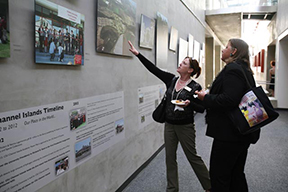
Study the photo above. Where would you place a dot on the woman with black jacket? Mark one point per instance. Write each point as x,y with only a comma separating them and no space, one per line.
179,119
230,148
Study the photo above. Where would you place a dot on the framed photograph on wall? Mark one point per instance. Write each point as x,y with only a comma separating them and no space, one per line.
116,24
147,32
190,45
173,39
183,50
59,34
196,50
161,40
4,29
202,55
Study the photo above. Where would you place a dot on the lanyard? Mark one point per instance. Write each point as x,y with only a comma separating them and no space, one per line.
174,89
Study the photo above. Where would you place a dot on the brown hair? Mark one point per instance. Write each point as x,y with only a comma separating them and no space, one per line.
195,66
272,63
242,52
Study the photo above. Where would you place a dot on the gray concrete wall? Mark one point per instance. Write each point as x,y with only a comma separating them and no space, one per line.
25,84
197,8
282,16
272,28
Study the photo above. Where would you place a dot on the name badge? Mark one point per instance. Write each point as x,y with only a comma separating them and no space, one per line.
187,88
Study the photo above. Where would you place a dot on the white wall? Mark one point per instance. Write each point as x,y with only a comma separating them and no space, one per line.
281,78
25,84
281,55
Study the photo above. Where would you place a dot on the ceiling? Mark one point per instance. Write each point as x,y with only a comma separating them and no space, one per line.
225,26
227,23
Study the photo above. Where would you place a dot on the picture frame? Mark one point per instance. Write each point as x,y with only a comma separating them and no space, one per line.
4,29
173,39
161,40
59,34
147,32
116,25
183,50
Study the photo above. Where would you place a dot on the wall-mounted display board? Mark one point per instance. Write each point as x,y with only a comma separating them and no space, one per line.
173,39
116,24
147,32
161,40
39,144
148,99
59,34
183,50
190,45
202,55
196,50
4,29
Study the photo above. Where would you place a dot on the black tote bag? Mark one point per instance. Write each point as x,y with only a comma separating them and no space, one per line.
159,113
254,111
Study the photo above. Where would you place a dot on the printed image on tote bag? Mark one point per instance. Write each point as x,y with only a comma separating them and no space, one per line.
252,109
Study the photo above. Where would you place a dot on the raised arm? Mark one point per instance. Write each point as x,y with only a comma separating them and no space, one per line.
164,76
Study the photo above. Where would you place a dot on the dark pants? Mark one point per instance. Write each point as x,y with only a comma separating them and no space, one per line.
185,134
227,163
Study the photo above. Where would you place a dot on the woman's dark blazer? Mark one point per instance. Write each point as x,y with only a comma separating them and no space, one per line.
225,94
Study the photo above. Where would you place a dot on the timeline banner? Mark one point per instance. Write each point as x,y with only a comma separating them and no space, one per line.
148,99
39,144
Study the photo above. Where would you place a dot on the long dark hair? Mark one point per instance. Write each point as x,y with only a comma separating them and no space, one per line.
242,52
195,66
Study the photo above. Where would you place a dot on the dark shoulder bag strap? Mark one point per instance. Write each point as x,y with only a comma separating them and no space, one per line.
245,76
168,85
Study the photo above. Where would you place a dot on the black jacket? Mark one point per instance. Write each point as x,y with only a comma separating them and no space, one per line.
225,94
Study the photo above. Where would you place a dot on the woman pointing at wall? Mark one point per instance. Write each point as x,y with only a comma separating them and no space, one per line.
179,119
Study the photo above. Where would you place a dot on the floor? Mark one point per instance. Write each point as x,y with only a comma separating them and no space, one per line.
266,169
